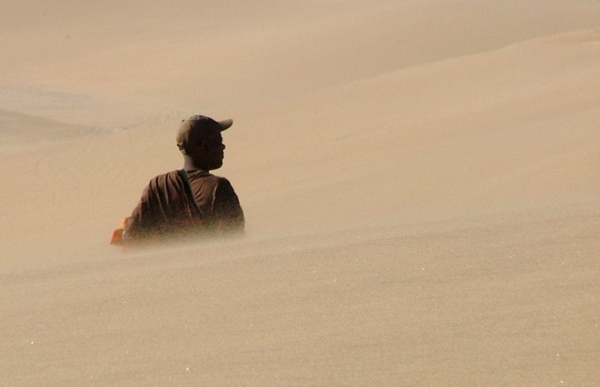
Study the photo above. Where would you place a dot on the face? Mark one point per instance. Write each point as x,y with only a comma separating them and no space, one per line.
209,154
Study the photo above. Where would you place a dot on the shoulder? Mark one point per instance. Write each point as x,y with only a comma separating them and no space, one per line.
164,182
207,178
223,182
169,176
224,190
208,182
219,182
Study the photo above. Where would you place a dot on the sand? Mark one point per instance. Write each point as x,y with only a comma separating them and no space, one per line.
420,179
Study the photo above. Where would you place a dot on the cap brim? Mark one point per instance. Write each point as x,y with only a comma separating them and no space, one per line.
225,124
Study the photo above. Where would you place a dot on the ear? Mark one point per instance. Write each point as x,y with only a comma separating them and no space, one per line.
196,150
203,146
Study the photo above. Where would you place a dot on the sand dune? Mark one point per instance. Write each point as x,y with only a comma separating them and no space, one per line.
420,180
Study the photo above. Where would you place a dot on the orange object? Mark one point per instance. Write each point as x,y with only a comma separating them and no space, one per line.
117,235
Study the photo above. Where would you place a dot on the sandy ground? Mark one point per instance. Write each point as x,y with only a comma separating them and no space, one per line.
420,179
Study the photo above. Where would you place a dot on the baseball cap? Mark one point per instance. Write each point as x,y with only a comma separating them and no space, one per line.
196,128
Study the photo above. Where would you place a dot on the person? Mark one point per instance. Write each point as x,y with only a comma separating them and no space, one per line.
190,202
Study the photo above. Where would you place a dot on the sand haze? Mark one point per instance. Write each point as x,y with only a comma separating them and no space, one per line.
420,181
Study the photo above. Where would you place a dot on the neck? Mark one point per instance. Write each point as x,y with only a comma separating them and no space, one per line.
189,164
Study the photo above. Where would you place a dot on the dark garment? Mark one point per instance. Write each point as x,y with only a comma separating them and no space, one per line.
166,209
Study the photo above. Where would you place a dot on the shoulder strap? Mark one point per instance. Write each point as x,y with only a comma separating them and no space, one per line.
188,189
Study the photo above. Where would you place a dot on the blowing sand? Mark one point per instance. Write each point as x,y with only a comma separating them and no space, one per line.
420,179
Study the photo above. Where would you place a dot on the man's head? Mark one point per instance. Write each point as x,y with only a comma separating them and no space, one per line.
199,138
